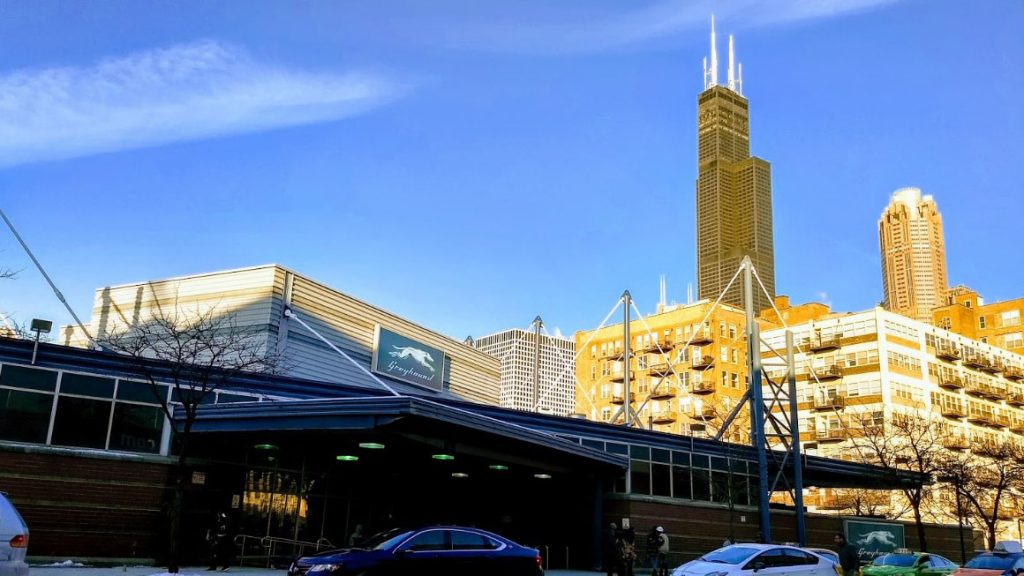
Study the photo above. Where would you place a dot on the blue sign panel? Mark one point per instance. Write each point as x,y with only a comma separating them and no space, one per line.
407,360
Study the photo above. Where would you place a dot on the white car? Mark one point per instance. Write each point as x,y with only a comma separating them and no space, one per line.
13,540
759,559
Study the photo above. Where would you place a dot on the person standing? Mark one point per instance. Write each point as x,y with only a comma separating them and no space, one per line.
356,538
655,538
663,552
627,551
849,555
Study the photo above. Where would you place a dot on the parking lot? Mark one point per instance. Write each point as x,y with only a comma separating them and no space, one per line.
197,571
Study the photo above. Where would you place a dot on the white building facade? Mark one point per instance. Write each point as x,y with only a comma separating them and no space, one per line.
517,351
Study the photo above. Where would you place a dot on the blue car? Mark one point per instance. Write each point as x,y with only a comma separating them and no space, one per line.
447,550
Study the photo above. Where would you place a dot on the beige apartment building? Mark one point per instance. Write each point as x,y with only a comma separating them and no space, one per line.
687,372
913,255
997,323
855,371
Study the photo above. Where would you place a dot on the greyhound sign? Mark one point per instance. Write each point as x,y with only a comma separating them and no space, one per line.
874,538
407,360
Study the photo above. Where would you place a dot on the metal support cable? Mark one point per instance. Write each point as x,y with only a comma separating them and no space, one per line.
288,313
53,286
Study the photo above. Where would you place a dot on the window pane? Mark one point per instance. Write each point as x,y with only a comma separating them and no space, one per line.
430,540
21,377
615,448
639,477
208,397
136,428
230,398
81,422
661,481
720,487
701,485
140,392
682,458
595,444
659,455
642,452
700,461
469,541
24,416
681,482
86,385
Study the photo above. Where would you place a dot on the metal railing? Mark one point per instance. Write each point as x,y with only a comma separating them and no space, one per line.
268,548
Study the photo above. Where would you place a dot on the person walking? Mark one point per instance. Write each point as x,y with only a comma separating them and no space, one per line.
663,552
610,544
849,555
655,538
220,543
356,538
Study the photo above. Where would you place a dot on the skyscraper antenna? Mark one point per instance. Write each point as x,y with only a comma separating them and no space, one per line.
714,56
732,67
661,286
739,79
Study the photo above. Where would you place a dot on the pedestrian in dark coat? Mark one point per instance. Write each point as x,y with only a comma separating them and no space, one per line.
849,555
610,549
219,539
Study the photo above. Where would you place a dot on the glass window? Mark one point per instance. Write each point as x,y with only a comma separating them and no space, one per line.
595,444
207,397
137,428
798,557
700,461
639,477
82,385
730,555
223,398
681,482
616,448
771,559
640,452
24,416
81,422
682,458
701,485
470,541
21,377
661,480
429,540
140,392
660,455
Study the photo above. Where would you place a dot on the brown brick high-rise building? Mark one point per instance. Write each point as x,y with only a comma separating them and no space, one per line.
913,255
734,191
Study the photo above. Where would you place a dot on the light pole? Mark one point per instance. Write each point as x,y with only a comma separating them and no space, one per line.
39,327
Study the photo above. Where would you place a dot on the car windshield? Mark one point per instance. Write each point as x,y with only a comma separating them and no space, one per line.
385,539
729,555
990,562
902,560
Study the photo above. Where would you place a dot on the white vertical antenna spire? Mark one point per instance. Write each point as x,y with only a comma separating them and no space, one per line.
739,79
661,286
714,55
732,67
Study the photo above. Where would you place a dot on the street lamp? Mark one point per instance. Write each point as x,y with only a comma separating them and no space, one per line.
39,327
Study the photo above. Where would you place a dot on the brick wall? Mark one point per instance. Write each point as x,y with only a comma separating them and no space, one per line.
86,505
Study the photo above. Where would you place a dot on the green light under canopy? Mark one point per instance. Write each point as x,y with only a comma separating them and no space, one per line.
265,447
498,467
443,457
346,458
371,445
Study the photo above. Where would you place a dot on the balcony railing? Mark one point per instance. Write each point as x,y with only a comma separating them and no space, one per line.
618,398
978,362
665,417
706,412
830,434
660,369
655,346
618,377
956,442
948,352
979,416
953,410
1013,373
823,343
829,372
1000,419
703,362
829,401
1015,397
702,387
703,336
664,390
951,382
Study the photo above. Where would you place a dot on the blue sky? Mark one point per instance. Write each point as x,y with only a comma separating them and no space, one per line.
470,165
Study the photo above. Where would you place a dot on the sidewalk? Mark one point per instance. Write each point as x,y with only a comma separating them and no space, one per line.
200,571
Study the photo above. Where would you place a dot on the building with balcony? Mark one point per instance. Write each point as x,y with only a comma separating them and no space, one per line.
686,374
854,372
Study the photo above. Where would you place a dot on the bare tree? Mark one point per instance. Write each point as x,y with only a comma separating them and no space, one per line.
903,442
196,354
990,482
867,503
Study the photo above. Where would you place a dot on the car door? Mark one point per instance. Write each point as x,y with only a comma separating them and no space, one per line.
771,562
474,554
427,552
801,562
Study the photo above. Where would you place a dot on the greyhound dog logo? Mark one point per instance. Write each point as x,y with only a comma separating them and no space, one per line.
883,537
421,356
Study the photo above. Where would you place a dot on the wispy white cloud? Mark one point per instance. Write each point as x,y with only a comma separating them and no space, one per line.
823,298
589,31
181,92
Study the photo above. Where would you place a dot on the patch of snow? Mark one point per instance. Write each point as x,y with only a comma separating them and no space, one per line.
64,564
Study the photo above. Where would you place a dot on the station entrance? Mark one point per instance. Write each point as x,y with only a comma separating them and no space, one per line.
289,492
